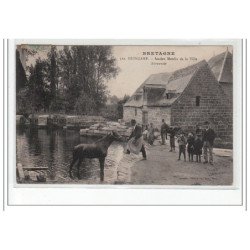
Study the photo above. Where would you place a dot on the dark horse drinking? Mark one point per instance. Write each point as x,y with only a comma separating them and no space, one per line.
98,149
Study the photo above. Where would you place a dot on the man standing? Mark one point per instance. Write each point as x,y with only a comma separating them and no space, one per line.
208,142
172,139
135,143
164,129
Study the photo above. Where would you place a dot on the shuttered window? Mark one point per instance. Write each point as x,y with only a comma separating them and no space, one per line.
197,100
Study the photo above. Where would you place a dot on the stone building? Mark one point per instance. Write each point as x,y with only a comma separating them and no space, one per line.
222,67
185,98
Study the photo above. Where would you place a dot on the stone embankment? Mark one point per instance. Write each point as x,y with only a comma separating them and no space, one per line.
58,120
101,129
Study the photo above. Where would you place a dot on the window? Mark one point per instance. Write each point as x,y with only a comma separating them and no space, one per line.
135,111
197,100
169,96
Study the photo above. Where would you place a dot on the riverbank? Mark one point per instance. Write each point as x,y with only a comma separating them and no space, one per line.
163,168
59,121
52,149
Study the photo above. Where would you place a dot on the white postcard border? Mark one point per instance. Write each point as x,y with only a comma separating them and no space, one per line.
79,194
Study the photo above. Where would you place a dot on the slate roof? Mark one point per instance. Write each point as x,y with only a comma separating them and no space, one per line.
221,66
179,84
175,82
161,78
180,78
132,102
153,81
160,84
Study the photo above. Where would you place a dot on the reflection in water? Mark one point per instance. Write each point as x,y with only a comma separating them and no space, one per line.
34,142
53,149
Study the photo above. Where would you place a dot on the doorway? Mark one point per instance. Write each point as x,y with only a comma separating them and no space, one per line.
145,118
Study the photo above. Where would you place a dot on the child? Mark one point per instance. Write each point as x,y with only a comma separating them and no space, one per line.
145,133
190,147
182,145
172,139
198,144
151,136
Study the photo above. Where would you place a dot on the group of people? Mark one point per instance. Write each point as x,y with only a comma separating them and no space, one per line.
149,134
193,143
203,139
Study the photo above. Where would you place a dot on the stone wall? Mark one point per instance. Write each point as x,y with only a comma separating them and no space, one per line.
130,113
156,114
228,90
214,106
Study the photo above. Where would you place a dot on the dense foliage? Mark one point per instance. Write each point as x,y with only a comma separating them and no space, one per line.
113,110
69,80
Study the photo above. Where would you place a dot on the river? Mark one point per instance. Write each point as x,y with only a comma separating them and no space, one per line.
52,148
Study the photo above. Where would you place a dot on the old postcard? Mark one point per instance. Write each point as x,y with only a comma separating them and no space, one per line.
125,114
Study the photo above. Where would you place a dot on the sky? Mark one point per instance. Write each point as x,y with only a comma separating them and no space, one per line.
134,69
134,72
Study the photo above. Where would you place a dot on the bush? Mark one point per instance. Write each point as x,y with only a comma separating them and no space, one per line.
85,105
23,102
57,104
110,112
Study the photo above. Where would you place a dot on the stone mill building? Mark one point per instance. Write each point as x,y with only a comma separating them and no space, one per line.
188,97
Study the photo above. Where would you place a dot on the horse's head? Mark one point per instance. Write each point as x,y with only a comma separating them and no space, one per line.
115,136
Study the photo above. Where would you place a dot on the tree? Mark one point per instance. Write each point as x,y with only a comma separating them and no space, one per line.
21,79
39,89
24,102
52,68
105,69
71,79
94,66
85,69
113,99
120,106
70,84
52,78
85,105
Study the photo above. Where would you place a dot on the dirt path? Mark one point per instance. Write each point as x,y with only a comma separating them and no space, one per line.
162,167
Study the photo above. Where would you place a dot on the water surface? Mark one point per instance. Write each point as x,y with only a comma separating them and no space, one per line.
53,149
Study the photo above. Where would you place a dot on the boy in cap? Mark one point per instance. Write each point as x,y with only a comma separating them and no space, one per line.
190,146
198,144
182,145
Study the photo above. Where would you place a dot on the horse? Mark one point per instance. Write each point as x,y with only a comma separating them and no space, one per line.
98,149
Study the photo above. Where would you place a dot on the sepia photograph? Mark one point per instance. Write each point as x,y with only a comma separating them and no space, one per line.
124,114
124,125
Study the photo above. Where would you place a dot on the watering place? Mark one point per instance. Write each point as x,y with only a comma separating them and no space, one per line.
53,148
